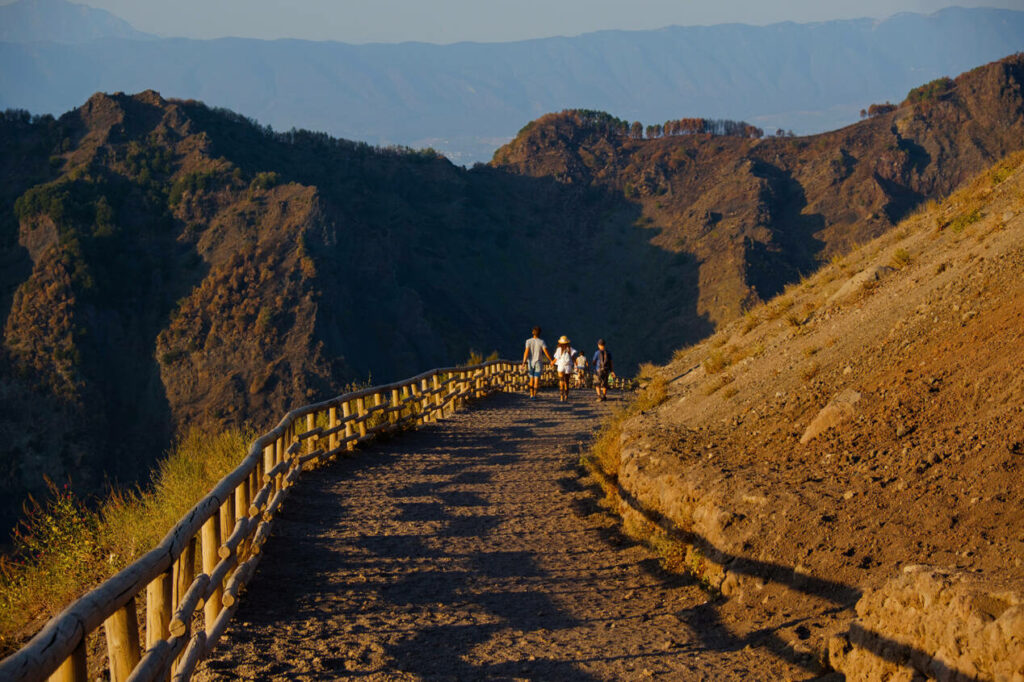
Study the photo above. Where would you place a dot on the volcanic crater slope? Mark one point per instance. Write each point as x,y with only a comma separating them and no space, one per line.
853,448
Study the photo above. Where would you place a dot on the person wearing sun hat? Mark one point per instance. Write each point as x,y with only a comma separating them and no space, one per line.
563,362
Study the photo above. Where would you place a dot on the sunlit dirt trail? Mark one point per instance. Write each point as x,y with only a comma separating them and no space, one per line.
469,550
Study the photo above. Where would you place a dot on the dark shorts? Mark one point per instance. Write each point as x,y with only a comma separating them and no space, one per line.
534,369
602,378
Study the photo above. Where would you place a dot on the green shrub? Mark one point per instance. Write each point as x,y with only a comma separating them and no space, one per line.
930,91
193,183
901,259
264,181
965,219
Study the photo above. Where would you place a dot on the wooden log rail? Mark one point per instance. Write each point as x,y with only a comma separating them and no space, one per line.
189,585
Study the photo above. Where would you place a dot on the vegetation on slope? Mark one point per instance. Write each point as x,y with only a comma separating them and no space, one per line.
63,548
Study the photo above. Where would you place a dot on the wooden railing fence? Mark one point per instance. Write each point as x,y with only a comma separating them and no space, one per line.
204,562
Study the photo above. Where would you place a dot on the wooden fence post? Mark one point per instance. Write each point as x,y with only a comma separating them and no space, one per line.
378,400
346,412
158,609
396,402
424,401
242,499
242,496
361,410
256,479
332,421
75,668
436,382
122,630
184,571
227,518
414,403
310,425
279,448
211,545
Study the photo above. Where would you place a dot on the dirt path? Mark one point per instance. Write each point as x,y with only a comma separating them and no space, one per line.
469,550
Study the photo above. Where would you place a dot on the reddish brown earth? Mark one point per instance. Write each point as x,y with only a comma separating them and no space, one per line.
855,426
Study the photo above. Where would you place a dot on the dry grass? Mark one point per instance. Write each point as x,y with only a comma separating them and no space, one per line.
900,259
716,361
647,371
604,454
717,383
778,306
750,321
63,548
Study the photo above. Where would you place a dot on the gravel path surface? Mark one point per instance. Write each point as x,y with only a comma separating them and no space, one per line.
469,550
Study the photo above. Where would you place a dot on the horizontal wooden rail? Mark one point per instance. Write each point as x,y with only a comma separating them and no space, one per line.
180,587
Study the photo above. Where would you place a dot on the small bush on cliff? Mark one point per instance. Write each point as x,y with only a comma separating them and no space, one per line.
930,91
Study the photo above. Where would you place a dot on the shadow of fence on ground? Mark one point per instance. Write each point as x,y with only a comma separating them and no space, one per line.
843,596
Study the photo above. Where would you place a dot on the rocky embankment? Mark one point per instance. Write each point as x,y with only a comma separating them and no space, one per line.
844,464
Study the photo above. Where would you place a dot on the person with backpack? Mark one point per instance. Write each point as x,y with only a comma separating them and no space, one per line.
535,346
602,368
563,362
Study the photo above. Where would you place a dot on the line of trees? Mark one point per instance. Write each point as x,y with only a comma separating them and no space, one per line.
696,126
877,110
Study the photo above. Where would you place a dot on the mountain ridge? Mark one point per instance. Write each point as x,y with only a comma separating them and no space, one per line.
456,97
36,21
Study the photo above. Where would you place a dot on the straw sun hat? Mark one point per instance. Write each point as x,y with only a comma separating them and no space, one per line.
564,339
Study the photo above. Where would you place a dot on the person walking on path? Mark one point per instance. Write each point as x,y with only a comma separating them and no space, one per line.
602,368
581,369
535,347
563,362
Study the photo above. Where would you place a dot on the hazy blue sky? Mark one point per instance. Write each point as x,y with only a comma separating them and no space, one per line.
444,21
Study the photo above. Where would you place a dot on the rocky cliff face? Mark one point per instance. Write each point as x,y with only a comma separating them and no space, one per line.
165,263
758,213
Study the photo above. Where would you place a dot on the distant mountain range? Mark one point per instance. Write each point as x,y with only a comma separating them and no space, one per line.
467,99
58,21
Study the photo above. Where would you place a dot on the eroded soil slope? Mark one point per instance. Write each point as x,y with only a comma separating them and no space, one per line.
870,418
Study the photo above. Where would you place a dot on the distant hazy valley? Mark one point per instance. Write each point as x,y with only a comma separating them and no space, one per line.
468,99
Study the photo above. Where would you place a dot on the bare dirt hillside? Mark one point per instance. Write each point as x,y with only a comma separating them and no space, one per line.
869,419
